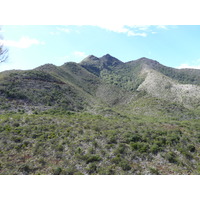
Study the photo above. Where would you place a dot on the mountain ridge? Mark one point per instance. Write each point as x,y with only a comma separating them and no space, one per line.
105,79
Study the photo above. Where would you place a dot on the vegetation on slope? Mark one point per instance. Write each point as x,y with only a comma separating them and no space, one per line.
37,88
80,143
92,118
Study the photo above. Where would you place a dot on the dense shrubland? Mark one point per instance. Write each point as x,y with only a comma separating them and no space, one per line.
82,143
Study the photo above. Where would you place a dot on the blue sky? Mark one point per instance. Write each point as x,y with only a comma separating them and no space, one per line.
35,45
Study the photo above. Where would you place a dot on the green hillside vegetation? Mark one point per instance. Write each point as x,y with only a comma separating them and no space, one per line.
36,88
100,116
82,143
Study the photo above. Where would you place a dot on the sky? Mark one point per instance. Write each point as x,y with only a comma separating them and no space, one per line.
33,45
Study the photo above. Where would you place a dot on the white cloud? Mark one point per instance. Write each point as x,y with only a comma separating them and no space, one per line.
141,27
114,28
75,56
11,66
134,30
54,33
23,42
66,30
194,64
80,54
59,60
184,66
131,33
129,30
162,27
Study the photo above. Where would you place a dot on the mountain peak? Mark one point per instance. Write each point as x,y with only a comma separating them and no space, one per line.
110,60
90,58
148,60
107,56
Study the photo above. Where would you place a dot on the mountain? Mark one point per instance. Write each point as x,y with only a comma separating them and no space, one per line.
96,65
100,116
105,80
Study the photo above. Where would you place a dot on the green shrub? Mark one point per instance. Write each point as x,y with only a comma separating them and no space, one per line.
131,137
17,139
154,171
57,171
140,146
134,146
125,165
120,149
91,150
143,148
191,148
109,170
95,144
117,159
18,147
42,161
59,147
38,148
92,168
154,148
93,158
71,171
173,139
78,150
25,169
112,139
171,157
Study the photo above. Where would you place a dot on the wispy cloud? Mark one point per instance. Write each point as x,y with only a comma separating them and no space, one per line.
79,54
162,27
134,30
194,64
130,31
184,66
54,33
62,29
65,30
75,56
23,42
141,27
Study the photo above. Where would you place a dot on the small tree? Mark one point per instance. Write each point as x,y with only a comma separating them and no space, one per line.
3,50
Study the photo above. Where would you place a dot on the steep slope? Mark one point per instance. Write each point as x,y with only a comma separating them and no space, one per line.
184,76
93,86
163,87
37,89
73,73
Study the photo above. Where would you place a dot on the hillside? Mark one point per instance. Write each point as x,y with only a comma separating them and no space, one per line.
78,86
100,116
